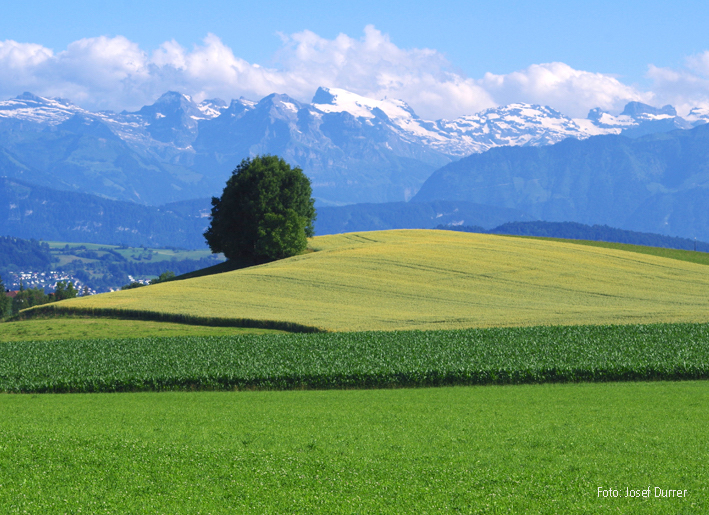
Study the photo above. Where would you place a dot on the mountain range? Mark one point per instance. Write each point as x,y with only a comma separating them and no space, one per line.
657,183
355,149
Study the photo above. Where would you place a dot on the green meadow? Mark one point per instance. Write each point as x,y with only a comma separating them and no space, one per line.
81,328
486,449
67,252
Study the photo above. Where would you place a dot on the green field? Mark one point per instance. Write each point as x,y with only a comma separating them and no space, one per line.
495,449
131,253
399,280
359,360
68,252
74,328
359,443
104,267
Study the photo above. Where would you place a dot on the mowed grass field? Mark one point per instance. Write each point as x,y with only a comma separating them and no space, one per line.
417,279
491,449
77,328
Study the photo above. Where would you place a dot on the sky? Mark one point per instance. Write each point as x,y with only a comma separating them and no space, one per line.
444,58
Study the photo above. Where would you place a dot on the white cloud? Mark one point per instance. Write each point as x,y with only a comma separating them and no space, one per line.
210,70
115,73
573,92
684,88
699,63
18,62
375,67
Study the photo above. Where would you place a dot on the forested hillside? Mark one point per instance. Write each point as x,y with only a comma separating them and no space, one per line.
657,183
577,231
99,267
18,252
29,211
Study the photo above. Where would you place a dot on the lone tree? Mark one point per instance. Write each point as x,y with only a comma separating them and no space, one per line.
265,212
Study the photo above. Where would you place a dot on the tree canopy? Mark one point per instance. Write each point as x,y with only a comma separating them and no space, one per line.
64,291
265,212
5,301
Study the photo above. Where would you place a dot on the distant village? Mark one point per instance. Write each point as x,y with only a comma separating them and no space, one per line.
47,281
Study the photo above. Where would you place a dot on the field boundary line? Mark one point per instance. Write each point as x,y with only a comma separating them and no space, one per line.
156,316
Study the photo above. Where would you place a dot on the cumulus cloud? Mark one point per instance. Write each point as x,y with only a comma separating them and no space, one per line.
115,73
96,72
573,92
684,88
373,66
18,63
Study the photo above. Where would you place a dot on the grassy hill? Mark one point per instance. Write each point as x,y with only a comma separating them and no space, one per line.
417,279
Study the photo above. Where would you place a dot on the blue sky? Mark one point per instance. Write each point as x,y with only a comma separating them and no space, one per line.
655,51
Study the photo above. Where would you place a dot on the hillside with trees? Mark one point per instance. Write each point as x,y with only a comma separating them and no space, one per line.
577,231
17,253
28,211
98,267
657,183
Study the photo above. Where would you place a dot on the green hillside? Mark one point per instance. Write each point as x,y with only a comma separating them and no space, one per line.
44,213
396,280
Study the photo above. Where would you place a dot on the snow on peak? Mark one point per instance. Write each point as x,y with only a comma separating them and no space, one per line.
172,97
323,96
30,96
212,108
245,102
336,100
40,110
512,124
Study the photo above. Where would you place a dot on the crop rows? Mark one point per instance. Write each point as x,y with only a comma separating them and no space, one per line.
359,360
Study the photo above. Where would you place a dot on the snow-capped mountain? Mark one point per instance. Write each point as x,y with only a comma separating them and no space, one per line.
28,112
172,119
657,183
52,111
514,124
355,149
510,125
364,158
638,119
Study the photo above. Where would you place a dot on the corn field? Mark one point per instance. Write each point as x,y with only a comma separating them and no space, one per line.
360,360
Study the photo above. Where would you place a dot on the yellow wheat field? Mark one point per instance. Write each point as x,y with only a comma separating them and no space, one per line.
417,279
